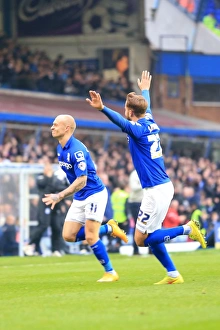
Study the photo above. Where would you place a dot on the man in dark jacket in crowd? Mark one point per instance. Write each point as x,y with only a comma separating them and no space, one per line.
47,182
8,239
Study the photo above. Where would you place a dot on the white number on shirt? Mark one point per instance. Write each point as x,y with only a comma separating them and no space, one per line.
155,149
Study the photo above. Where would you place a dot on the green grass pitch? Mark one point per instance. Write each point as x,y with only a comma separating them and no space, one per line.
39,293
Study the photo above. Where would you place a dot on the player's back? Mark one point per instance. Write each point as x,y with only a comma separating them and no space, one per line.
146,153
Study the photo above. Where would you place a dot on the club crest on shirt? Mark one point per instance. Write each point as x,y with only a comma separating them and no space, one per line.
82,166
79,156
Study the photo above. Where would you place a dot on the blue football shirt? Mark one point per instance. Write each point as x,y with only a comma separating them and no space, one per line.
144,145
75,160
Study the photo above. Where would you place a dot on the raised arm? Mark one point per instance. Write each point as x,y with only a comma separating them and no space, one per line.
115,117
144,85
96,102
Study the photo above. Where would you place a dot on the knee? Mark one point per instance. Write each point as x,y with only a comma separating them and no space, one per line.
139,241
91,238
140,238
69,237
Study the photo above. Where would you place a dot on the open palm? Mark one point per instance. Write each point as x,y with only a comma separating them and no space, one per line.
95,101
145,81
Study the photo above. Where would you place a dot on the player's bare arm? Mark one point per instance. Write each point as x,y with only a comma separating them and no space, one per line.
145,81
95,101
77,185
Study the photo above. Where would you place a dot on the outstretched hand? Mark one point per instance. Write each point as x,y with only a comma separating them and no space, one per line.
51,199
95,101
145,81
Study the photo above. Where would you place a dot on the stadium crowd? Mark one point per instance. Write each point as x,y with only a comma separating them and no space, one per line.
196,181
22,68
209,13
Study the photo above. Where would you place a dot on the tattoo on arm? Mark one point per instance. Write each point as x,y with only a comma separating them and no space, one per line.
76,186
79,186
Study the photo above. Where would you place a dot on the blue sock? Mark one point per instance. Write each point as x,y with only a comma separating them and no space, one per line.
103,230
160,252
101,254
163,235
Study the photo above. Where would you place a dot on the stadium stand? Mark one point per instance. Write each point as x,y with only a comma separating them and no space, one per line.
206,11
211,16
24,69
190,7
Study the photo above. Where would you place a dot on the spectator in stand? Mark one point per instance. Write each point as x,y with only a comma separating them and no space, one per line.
210,228
172,218
47,182
199,214
210,186
69,88
122,64
134,201
9,190
217,198
119,200
210,21
108,210
209,205
188,5
9,243
188,197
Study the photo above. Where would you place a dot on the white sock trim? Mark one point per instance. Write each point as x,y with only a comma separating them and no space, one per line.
186,230
173,274
109,228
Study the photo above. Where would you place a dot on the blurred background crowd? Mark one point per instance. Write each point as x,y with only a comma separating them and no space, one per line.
34,70
196,182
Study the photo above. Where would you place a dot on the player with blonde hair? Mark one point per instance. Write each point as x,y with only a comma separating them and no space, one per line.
158,190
